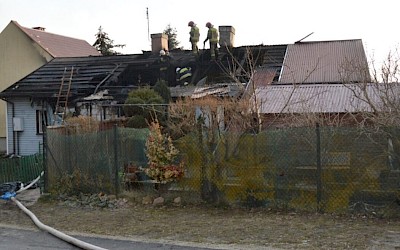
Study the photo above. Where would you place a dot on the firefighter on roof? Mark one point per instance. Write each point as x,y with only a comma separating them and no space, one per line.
194,37
212,36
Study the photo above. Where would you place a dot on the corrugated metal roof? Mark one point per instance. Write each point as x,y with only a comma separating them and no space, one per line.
325,62
60,46
323,98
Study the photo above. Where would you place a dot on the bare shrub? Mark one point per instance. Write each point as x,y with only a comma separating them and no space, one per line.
81,124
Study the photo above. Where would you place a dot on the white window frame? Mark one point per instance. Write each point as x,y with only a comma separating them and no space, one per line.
40,123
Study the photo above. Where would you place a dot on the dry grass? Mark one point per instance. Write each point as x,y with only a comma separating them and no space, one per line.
215,225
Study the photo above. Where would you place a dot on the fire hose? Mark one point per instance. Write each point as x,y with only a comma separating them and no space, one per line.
10,195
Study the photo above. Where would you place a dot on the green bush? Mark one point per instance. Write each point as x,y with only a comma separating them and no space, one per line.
137,121
141,101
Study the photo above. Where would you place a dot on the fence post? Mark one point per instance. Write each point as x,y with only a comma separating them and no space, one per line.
45,187
116,177
203,180
319,167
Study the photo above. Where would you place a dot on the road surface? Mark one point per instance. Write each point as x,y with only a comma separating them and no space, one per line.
19,239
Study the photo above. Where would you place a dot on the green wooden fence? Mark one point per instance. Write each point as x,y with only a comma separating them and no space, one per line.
24,168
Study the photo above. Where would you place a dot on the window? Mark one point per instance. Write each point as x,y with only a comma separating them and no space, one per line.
41,121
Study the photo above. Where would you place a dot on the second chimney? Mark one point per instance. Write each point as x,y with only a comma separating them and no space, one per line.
226,36
39,28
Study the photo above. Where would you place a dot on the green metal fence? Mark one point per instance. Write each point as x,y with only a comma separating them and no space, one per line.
315,169
24,168
92,162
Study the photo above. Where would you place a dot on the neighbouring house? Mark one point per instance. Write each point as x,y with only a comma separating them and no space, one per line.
333,104
319,78
23,50
325,62
100,84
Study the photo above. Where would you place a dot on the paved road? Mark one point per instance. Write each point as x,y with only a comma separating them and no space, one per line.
17,239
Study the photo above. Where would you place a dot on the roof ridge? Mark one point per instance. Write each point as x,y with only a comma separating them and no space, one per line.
41,37
328,41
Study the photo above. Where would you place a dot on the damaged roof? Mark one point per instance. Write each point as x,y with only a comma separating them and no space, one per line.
88,75
218,89
119,74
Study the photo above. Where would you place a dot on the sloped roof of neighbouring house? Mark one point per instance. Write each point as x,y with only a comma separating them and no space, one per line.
57,45
325,62
326,98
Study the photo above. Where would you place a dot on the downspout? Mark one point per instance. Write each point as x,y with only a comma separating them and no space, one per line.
14,132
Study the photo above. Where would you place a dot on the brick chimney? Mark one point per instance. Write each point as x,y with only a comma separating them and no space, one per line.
226,36
159,41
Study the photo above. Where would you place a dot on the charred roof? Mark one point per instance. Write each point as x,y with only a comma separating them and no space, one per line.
121,73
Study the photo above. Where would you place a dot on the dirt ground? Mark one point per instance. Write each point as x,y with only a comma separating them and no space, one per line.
229,228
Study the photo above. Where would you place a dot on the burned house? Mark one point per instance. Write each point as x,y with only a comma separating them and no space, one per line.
96,85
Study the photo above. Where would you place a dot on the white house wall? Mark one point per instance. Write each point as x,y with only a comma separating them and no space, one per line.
27,141
18,58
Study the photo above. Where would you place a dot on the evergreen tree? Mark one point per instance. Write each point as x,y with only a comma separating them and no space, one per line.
142,111
104,44
162,89
173,43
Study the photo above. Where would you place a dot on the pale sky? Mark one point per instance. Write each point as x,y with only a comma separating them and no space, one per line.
256,22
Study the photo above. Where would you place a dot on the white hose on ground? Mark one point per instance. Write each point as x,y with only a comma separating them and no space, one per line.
55,232
31,184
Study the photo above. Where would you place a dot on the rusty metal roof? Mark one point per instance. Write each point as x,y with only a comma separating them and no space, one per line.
264,76
59,46
324,98
325,62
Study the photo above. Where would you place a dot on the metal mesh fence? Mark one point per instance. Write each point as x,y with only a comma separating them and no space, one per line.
91,162
315,169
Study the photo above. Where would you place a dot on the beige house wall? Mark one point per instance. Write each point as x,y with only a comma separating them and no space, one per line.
19,56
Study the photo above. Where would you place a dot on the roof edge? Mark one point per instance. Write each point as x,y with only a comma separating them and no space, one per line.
27,34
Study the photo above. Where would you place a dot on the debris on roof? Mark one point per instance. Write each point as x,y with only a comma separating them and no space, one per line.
102,95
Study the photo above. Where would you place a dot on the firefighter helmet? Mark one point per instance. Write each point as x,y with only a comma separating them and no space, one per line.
208,25
191,23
